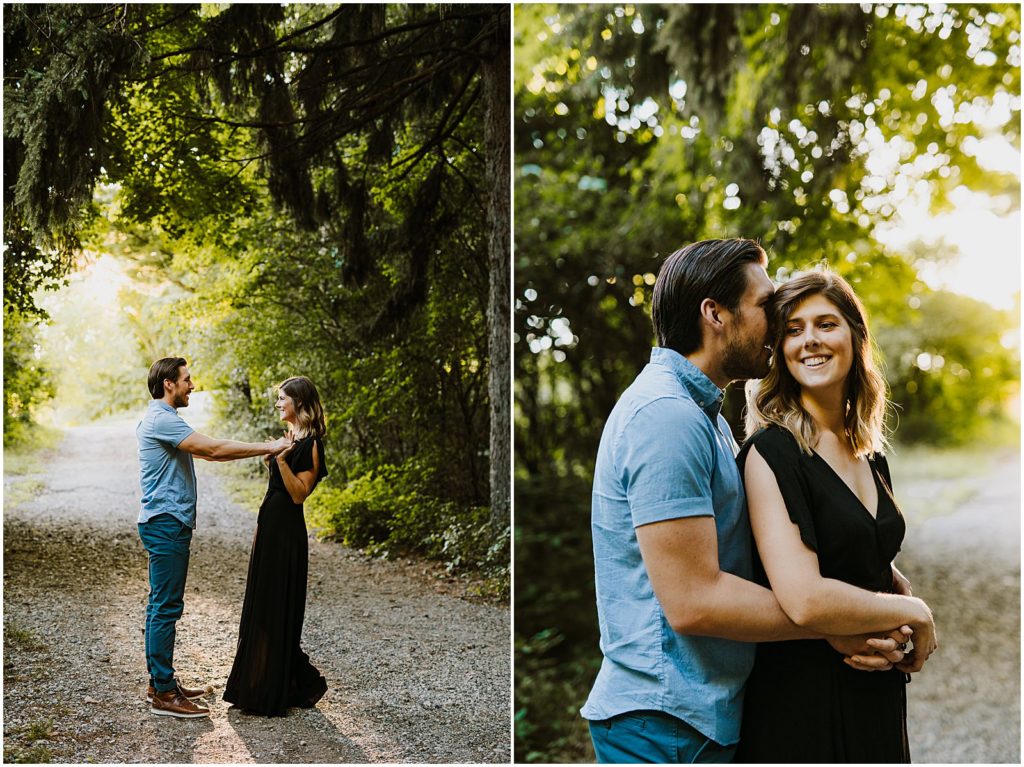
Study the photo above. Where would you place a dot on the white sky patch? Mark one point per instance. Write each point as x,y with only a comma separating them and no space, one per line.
988,265
986,230
100,281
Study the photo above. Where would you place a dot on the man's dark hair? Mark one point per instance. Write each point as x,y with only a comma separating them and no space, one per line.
167,367
708,269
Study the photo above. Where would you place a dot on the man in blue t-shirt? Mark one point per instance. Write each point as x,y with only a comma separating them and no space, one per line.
678,613
167,518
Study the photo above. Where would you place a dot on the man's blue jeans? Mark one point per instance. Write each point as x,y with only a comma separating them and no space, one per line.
167,540
654,737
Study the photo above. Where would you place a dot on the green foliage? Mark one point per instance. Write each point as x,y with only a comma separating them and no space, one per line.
27,755
21,638
548,695
26,457
29,268
88,54
358,514
469,542
952,367
390,510
27,383
957,357
556,635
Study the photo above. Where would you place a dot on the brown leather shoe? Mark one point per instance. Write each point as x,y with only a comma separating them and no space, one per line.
185,692
171,703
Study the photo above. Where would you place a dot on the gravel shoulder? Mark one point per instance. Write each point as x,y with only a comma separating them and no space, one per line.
964,706
417,672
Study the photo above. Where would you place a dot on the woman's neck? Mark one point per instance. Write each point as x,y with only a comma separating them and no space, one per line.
828,409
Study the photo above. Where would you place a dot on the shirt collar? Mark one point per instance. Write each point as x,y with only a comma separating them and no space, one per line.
704,392
159,403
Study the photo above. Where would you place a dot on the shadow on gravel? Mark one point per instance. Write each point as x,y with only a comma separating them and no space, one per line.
303,728
177,740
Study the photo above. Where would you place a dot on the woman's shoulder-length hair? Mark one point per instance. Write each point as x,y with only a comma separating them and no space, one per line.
309,413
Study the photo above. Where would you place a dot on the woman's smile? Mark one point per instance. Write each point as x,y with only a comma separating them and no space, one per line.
817,361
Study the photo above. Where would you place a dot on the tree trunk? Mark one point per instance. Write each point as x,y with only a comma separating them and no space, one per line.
496,72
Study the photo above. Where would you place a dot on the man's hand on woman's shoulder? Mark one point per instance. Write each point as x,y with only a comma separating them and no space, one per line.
280,444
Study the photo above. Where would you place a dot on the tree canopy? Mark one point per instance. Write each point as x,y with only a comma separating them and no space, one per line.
299,189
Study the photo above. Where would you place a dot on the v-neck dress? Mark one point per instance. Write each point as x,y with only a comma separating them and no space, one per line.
271,671
802,703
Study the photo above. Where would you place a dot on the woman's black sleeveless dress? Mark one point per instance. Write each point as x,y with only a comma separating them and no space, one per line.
802,703
271,672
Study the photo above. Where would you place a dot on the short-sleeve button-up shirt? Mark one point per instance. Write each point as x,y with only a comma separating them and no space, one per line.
167,474
666,452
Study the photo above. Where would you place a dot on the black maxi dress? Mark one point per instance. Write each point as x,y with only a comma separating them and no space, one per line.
802,703
271,672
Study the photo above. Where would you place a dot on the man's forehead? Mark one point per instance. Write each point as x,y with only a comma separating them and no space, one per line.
760,281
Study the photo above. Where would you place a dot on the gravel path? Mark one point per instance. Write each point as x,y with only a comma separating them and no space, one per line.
416,672
964,706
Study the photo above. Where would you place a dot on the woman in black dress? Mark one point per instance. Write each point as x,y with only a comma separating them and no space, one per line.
827,529
271,672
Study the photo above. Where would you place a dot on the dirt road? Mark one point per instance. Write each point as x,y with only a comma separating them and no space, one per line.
964,706
416,672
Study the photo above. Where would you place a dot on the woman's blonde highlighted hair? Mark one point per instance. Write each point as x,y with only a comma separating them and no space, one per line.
309,413
775,399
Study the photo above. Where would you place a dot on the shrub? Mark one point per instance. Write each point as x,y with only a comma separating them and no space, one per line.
358,513
391,510
27,384
548,695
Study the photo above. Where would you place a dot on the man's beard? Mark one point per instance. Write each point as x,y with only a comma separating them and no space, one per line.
745,359
181,401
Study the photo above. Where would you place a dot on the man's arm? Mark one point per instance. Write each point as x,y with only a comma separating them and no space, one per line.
211,449
666,460
681,557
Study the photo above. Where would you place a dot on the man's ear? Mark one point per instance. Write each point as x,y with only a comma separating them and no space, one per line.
710,312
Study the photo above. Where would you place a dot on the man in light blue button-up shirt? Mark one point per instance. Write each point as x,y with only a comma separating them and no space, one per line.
672,544
167,515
